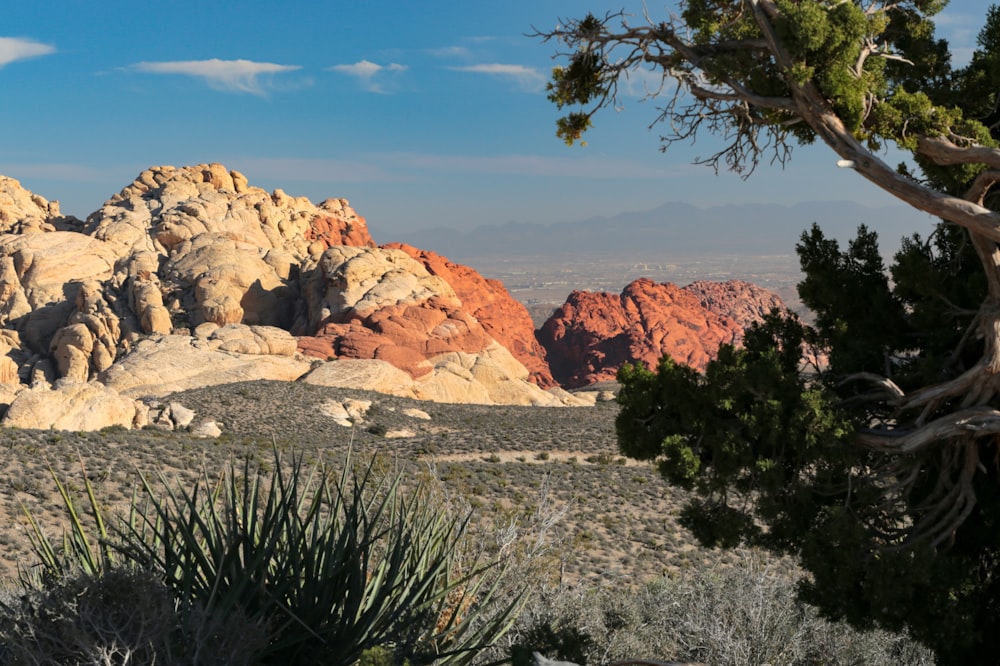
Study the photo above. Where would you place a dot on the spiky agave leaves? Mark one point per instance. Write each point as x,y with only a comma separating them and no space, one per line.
78,551
327,565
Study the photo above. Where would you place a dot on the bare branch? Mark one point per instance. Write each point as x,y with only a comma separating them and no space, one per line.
944,152
895,393
981,186
974,421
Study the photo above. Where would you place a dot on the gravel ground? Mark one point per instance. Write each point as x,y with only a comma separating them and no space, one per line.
554,472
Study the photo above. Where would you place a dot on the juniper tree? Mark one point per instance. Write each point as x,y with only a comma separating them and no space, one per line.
867,443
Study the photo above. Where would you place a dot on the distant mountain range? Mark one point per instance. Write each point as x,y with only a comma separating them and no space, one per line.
675,229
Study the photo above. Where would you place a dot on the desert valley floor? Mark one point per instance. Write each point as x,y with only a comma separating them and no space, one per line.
617,519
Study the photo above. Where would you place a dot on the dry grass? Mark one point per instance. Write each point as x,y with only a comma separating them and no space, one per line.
537,473
511,464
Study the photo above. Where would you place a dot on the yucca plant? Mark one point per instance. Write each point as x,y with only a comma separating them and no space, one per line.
327,565
79,551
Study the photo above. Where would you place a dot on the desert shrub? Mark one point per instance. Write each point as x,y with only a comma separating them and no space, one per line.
326,565
741,615
118,616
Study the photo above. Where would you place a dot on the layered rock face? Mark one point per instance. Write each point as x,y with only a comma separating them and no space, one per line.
381,303
505,319
595,333
191,276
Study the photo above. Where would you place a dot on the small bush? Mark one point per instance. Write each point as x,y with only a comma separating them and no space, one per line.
326,567
742,615
120,616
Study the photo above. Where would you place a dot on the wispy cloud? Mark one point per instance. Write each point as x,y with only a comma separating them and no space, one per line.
528,79
642,82
450,52
371,75
227,75
960,29
17,48
63,171
404,166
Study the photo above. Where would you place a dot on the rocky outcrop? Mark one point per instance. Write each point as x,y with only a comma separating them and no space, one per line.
371,303
22,212
191,276
505,319
160,365
74,406
595,333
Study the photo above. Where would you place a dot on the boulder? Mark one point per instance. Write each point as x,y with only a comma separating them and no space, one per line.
346,413
368,375
158,366
40,275
415,413
22,212
74,406
207,430
88,343
494,377
228,282
240,339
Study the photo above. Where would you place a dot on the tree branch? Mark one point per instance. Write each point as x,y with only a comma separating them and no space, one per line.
973,421
944,152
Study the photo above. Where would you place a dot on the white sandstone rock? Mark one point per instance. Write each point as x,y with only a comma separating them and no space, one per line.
74,406
157,367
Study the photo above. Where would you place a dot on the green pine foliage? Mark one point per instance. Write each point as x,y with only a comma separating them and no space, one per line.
864,444
766,439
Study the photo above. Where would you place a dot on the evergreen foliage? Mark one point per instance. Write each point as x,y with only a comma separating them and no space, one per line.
865,444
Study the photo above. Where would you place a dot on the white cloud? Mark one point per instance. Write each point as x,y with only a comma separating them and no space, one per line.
527,78
450,52
229,75
369,73
16,48
960,29
642,82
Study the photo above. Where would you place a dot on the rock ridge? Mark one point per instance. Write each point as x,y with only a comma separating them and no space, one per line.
191,276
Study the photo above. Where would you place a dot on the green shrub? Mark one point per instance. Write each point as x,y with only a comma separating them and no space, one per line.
327,566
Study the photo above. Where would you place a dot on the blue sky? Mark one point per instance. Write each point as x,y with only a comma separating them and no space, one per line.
422,114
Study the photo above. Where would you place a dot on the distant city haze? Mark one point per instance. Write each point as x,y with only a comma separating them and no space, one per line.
676,230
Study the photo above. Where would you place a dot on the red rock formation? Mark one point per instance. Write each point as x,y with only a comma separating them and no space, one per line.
339,226
505,319
403,335
181,250
594,333
744,302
